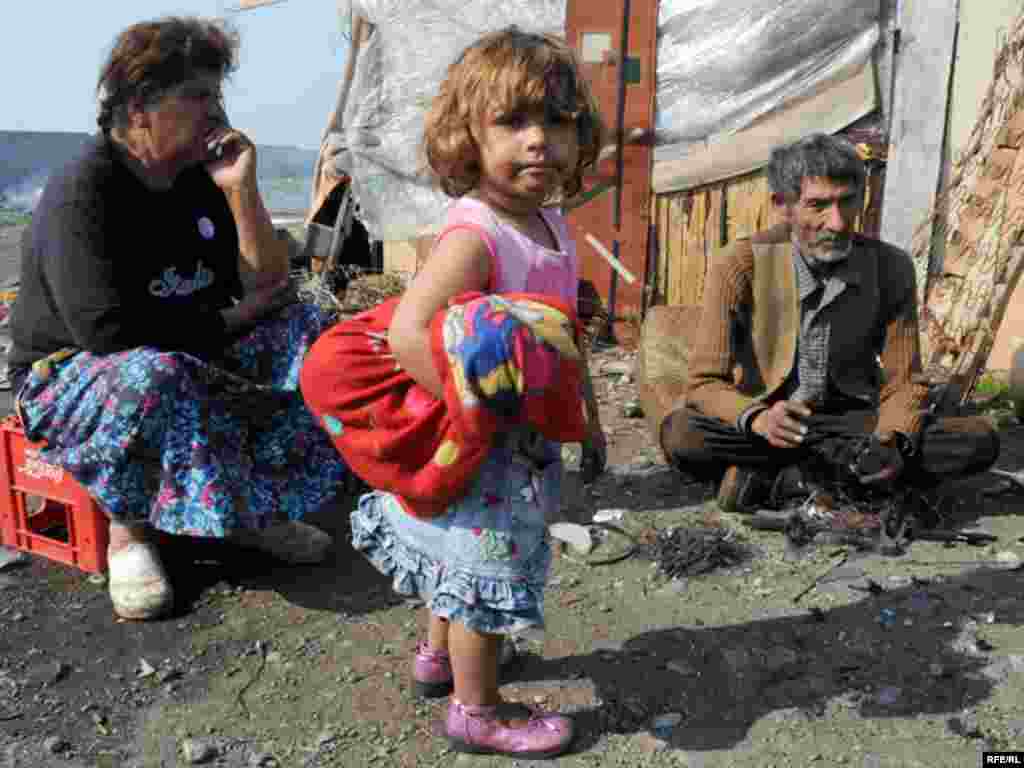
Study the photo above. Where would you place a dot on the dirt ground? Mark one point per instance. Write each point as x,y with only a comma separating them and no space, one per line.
903,661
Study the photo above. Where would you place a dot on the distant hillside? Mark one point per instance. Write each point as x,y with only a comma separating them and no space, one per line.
28,157
276,162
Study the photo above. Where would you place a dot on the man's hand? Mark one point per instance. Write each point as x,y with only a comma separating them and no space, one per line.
782,424
890,459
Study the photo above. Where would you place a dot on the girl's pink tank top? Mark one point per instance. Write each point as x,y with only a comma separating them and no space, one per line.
518,264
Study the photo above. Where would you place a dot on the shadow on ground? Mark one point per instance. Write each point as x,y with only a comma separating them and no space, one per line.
345,582
724,679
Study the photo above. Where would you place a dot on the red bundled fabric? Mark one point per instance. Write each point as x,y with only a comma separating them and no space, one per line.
504,359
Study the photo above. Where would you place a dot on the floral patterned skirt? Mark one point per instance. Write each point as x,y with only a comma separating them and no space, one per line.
195,447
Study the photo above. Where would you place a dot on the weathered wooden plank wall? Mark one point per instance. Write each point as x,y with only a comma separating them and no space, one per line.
696,225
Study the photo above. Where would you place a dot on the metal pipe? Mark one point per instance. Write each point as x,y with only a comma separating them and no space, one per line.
609,329
620,118
620,130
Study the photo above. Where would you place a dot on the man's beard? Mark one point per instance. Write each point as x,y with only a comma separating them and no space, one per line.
831,251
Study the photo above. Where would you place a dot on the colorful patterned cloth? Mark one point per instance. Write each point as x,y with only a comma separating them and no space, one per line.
505,360
195,447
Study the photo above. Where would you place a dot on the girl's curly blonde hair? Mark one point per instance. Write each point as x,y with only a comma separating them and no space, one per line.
504,71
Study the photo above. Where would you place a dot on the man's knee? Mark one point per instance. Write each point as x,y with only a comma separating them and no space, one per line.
960,445
986,444
680,442
661,369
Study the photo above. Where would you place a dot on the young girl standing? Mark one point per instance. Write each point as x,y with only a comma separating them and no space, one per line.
510,131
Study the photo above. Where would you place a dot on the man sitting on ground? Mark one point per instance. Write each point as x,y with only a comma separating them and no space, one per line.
807,338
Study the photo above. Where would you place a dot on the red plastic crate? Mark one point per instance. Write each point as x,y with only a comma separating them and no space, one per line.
69,527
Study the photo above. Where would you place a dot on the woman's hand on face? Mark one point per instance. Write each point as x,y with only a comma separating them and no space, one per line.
231,160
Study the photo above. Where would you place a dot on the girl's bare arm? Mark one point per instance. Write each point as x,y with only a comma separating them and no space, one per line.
459,263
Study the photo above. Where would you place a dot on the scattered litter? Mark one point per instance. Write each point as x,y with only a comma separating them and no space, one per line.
965,725
9,706
967,641
889,695
11,558
196,751
682,667
576,536
609,515
832,569
1008,560
919,602
167,675
675,587
1016,728
145,669
55,745
887,618
663,725
870,586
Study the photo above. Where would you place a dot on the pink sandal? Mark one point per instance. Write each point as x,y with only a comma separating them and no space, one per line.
477,730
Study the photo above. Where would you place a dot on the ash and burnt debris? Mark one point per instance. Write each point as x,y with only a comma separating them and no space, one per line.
682,552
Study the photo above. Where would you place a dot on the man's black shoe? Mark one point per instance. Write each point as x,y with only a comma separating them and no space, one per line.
747,489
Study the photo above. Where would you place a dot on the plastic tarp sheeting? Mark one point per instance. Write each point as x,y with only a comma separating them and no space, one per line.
724,63
397,73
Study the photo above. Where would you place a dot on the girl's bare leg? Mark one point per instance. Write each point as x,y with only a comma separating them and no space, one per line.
437,633
474,665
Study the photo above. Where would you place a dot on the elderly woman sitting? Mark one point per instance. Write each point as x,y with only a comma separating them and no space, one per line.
157,343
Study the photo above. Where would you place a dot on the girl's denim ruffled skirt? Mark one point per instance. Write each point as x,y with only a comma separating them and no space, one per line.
485,562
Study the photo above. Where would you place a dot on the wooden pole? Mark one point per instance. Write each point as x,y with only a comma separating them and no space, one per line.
360,27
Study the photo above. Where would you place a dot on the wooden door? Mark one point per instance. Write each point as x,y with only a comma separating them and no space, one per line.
595,31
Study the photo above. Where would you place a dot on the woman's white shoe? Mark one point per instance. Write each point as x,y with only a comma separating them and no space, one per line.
139,587
294,542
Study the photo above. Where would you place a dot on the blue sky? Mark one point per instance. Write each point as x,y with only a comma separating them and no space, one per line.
291,59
